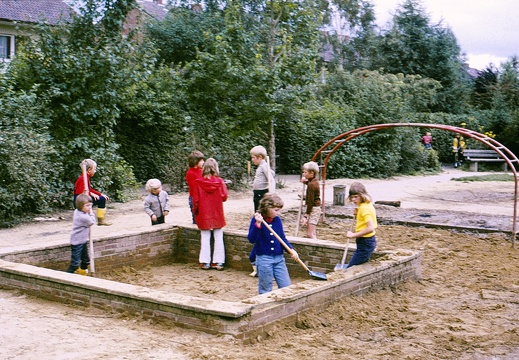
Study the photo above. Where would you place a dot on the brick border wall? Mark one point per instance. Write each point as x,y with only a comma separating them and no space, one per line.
245,319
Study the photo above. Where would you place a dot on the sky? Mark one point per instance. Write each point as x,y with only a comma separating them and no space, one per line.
487,30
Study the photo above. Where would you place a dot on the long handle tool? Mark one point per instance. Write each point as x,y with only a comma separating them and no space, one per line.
300,210
91,242
313,274
341,266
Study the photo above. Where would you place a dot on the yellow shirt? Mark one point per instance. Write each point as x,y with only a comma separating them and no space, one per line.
365,213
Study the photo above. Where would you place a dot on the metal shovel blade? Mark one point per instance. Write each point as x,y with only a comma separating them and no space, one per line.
317,275
342,266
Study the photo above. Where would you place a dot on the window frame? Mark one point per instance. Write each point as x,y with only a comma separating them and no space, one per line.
9,52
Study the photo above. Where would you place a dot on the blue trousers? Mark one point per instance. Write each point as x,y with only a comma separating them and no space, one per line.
365,247
271,267
79,257
101,202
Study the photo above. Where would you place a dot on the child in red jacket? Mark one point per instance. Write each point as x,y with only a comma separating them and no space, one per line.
195,161
99,198
208,199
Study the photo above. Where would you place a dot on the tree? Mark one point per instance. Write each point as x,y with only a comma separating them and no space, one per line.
80,68
413,46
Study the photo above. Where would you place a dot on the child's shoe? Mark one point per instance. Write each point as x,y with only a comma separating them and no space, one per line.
218,266
206,266
254,272
83,272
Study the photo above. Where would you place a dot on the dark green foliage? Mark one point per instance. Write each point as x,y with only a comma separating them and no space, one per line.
29,170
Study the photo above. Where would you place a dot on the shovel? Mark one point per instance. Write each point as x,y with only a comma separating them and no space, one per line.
300,210
341,266
91,242
313,274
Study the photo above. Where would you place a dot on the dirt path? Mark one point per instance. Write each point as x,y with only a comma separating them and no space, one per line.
465,307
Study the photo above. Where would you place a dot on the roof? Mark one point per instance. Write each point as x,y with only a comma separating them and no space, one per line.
33,11
153,9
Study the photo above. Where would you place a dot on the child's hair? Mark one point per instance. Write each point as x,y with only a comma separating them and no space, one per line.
89,163
269,201
210,168
81,200
194,158
259,151
312,166
428,134
358,189
153,184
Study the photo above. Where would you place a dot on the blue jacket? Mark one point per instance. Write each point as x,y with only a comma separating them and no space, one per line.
264,240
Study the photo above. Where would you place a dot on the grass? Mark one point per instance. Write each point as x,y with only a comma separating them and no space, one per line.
490,177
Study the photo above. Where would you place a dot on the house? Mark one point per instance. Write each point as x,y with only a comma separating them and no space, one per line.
17,18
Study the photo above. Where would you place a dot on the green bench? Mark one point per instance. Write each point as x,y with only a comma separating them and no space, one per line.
476,156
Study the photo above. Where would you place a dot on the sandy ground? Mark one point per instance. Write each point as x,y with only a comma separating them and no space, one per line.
465,307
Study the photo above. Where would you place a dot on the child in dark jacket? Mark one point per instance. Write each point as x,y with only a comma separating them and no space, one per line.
313,199
208,199
270,261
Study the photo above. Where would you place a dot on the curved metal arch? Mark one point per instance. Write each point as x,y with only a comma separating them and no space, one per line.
335,143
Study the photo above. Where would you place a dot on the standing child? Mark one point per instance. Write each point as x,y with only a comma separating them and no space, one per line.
100,199
270,261
313,199
264,182
156,204
210,194
458,147
427,141
366,223
83,219
195,161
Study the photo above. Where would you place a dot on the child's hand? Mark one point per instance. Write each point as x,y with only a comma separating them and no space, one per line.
294,254
303,180
350,234
258,218
153,217
166,212
304,220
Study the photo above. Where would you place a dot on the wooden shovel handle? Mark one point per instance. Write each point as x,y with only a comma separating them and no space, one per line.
85,179
299,212
284,244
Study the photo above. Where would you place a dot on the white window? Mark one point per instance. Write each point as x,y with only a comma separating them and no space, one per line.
5,47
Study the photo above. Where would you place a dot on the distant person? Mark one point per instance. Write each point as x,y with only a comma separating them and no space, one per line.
427,141
156,204
458,148
313,199
83,220
195,161
366,223
99,199
269,251
211,192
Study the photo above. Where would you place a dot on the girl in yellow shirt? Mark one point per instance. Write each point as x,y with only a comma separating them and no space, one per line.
366,223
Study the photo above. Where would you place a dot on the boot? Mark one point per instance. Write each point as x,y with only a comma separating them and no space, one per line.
83,272
254,272
101,218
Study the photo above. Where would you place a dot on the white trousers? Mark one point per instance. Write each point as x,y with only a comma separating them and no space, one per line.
205,248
